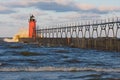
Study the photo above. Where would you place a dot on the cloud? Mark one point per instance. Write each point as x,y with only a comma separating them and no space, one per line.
55,7
84,6
2,8
75,16
63,6
59,6
24,16
94,9
5,10
109,8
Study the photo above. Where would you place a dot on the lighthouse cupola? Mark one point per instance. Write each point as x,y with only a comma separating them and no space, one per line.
32,27
32,18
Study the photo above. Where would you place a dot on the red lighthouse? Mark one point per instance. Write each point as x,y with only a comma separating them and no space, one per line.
32,27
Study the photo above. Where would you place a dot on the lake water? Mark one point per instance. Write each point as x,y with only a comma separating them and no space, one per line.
32,62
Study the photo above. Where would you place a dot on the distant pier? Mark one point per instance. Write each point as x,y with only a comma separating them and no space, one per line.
96,34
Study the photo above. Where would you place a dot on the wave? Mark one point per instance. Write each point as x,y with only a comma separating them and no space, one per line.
0,64
61,69
9,40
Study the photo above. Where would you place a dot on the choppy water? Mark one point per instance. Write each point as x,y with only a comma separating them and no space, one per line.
32,62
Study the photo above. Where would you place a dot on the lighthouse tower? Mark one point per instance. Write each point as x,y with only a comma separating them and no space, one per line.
32,27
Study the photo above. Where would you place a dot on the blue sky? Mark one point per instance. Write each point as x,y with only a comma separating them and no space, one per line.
14,14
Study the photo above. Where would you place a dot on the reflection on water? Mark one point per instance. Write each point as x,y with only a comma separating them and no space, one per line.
33,62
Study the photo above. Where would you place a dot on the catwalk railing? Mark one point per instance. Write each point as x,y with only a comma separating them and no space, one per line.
88,30
91,34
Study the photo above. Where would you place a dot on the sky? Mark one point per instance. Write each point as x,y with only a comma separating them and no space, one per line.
14,14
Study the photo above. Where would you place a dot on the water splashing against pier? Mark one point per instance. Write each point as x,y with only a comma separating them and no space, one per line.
22,33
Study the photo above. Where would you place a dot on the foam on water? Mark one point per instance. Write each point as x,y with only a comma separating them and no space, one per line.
9,40
61,69
22,33
32,62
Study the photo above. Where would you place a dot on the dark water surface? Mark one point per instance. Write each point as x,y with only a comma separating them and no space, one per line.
32,62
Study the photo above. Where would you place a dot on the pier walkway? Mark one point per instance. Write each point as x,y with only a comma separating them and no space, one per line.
94,34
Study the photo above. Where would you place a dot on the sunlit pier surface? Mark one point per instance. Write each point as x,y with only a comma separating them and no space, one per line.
101,34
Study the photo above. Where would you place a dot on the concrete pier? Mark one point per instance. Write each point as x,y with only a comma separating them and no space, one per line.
105,44
99,35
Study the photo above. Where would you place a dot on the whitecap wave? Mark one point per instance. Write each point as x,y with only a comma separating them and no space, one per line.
22,33
9,40
61,69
